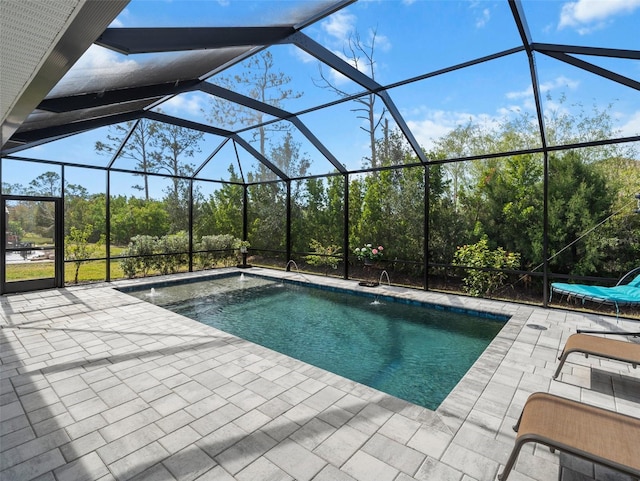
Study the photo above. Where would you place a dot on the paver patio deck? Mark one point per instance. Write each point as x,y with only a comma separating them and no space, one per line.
98,385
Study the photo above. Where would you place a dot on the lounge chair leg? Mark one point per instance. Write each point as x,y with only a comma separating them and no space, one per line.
516,426
511,461
563,358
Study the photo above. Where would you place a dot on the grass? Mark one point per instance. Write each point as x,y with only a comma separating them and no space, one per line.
89,271
36,239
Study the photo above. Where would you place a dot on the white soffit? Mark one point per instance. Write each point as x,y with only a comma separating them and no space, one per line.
39,42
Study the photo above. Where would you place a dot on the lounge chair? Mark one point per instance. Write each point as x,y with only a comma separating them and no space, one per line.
625,293
601,347
595,434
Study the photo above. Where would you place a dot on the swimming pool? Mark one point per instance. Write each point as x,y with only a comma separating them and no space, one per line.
412,352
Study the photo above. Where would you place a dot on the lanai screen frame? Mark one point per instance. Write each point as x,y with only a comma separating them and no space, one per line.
244,41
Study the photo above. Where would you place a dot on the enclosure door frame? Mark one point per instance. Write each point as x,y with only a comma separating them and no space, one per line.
28,285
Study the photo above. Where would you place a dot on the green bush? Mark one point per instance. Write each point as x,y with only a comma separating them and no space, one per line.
478,256
219,249
323,256
140,248
175,248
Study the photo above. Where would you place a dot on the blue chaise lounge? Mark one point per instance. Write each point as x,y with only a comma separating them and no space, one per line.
626,292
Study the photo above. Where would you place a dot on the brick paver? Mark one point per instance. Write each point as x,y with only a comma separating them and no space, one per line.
96,384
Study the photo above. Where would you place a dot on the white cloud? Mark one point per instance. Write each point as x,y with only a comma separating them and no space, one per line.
184,104
382,42
589,15
559,82
522,94
97,63
484,18
632,126
121,19
301,55
526,99
437,123
339,25
335,77
100,58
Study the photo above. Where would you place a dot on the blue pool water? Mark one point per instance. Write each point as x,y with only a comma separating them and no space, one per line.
412,352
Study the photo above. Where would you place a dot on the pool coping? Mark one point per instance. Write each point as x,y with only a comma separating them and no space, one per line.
452,412
383,294
375,436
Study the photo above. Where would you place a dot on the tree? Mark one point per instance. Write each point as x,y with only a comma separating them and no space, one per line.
47,184
578,200
462,141
361,57
78,249
131,217
506,204
174,144
620,234
222,212
139,147
261,82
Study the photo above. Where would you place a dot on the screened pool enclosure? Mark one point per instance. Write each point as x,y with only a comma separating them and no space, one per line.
485,149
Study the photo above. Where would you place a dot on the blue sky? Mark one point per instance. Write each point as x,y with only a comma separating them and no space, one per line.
412,37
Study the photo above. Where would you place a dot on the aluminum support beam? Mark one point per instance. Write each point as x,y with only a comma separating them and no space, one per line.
118,96
594,69
261,158
329,58
595,51
519,18
274,112
178,39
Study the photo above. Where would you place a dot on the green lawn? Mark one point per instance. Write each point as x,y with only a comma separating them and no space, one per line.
89,271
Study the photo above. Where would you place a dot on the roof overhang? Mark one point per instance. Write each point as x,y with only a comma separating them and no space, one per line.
39,47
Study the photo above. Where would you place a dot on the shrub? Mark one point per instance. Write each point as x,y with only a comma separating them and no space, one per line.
175,248
219,249
78,249
141,249
323,256
478,256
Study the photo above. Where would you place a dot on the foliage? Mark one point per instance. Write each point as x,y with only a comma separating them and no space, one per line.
173,252
139,256
239,244
131,217
486,200
477,257
368,251
216,248
222,211
140,147
323,256
78,249
260,81
14,227
46,184
578,201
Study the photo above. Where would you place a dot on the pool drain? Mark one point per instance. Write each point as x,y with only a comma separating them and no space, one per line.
537,327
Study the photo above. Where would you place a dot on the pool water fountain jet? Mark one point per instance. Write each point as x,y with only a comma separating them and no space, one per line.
286,268
242,278
382,274
152,293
